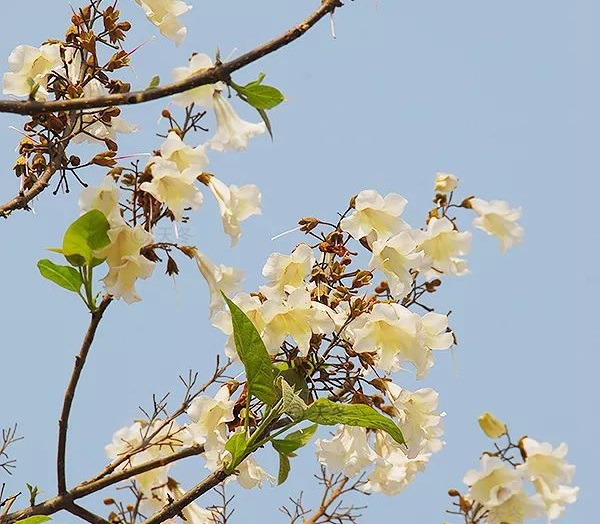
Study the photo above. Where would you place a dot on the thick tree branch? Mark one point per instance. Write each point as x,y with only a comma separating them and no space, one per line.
63,422
220,72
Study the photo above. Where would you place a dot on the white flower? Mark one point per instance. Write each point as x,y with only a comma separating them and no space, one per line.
546,464
443,246
445,182
251,475
297,317
285,273
192,513
420,422
219,279
209,414
494,484
396,257
172,187
498,219
394,332
236,204
434,330
163,14
347,452
555,498
30,66
252,307
375,217
232,131
202,95
91,128
184,156
125,262
517,507
104,198
393,469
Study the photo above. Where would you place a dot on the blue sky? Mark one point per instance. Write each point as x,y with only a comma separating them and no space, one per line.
503,94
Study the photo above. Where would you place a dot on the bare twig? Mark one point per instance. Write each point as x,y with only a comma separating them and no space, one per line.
63,422
9,436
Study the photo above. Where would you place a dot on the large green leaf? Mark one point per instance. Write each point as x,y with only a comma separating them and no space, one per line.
294,441
262,97
65,276
36,519
328,413
87,234
260,374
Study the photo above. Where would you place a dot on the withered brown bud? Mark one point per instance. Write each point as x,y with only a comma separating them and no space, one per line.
111,145
188,251
389,410
172,268
204,178
453,493
108,502
74,160
352,203
466,203
150,254
20,166
308,223
166,113
105,159
346,261
377,400
362,278
39,162
380,384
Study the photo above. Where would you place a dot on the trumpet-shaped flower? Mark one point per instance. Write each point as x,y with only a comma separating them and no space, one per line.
176,150
396,257
220,279
210,414
420,422
232,131
29,67
126,264
556,498
445,182
347,452
498,219
394,333
163,14
516,508
375,217
173,188
90,127
546,463
236,204
285,273
104,198
202,95
434,330
251,475
494,484
252,307
297,317
442,246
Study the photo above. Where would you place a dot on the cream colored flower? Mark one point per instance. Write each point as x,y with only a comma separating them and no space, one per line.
232,131
29,67
173,188
516,508
375,217
445,182
251,475
210,414
163,14
546,463
285,273
236,204
396,257
498,219
297,317
104,198
202,95
347,452
442,246
491,426
176,150
494,484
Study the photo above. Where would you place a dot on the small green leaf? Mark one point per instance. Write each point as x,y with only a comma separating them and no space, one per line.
328,413
294,441
284,469
36,519
87,234
236,445
293,405
260,374
261,97
265,119
154,82
64,276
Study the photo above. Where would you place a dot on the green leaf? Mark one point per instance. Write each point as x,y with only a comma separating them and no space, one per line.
294,441
64,276
87,234
36,519
328,413
260,96
284,469
265,119
260,374
154,82
293,405
236,445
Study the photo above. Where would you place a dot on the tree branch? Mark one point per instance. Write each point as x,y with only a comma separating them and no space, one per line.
220,72
63,422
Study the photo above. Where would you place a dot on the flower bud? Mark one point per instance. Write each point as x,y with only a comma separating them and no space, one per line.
491,426
445,182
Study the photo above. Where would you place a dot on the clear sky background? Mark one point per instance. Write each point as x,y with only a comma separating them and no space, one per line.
503,94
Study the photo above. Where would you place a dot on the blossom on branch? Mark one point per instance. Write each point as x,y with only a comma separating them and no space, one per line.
445,182
163,14
176,150
202,95
498,219
347,452
104,198
285,273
